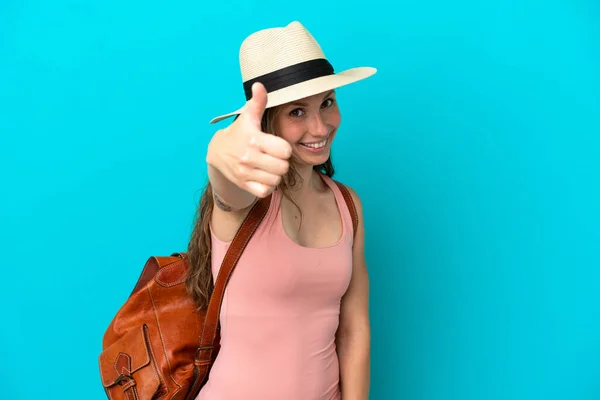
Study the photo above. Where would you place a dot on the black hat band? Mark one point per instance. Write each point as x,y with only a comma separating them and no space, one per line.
291,75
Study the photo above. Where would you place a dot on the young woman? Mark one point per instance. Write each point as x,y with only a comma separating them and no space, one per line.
294,320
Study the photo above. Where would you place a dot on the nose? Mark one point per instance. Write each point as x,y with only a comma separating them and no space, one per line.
317,126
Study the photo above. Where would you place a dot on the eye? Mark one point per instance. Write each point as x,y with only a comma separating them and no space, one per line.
297,112
327,103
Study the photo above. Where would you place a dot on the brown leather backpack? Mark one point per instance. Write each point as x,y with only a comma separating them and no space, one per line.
159,346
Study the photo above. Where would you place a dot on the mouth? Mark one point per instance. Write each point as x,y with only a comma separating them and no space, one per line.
316,145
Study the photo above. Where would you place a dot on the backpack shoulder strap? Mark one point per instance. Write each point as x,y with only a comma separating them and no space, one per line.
350,204
237,246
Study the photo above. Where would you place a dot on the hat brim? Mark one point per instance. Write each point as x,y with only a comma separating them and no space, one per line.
309,88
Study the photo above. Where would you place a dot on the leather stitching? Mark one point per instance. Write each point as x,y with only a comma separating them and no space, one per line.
162,342
153,361
165,284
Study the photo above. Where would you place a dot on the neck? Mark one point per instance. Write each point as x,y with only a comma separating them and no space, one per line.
308,184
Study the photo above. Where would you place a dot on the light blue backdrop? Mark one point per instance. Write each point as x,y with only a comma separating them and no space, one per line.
475,150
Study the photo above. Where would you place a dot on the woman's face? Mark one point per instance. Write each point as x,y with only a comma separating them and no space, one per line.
309,125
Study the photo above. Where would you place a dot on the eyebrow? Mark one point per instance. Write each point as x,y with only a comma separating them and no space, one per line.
302,104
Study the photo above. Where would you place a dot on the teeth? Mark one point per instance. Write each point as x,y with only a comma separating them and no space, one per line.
315,145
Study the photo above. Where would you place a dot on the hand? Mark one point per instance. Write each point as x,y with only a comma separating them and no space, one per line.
251,159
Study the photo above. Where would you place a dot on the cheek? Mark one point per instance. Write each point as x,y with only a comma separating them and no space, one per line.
333,118
290,131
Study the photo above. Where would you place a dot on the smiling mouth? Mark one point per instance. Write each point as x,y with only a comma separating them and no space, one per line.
315,145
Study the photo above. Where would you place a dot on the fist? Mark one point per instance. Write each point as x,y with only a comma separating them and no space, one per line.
251,159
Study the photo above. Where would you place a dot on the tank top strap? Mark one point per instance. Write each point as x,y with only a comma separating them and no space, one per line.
345,212
266,224
271,215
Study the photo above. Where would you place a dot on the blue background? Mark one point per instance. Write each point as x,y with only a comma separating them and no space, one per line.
475,150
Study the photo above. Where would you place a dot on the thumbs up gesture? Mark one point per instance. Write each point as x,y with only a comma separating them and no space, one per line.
249,158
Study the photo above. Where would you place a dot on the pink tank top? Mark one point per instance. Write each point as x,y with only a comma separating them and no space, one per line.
280,314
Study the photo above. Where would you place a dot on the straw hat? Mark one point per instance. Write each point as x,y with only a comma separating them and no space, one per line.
290,64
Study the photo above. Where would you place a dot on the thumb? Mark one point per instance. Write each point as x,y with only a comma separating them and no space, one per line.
255,108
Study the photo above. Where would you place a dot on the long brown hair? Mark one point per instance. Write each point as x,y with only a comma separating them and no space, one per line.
199,280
